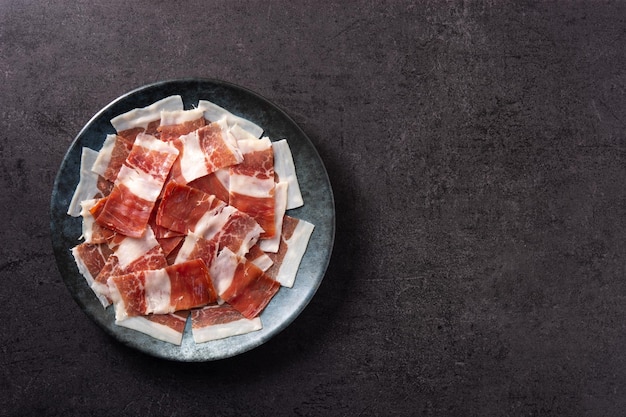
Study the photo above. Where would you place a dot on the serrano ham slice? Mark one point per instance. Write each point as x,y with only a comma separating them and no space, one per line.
138,185
182,207
89,183
204,151
111,157
146,119
129,255
216,183
177,287
213,113
90,259
285,170
242,284
220,321
295,238
166,327
173,124
252,186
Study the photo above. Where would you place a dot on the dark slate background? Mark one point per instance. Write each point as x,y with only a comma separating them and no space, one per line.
477,155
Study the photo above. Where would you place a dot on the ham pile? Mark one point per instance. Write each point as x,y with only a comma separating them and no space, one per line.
184,217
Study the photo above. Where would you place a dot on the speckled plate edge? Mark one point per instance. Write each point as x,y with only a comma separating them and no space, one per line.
318,209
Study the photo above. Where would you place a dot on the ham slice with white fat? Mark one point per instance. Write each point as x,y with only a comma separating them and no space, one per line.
145,119
205,151
220,321
177,287
173,124
213,113
166,327
295,238
137,187
129,255
90,184
90,259
242,284
182,207
111,157
252,186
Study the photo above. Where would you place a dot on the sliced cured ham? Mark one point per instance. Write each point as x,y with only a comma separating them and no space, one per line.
138,185
220,321
216,183
242,284
90,259
213,113
280,197
173,124
184,216
88,183
92,231
129,255
166,327
111,157
252,186
197,247
182,207
205,151
285,170
295,238
146,119
230,228
177,287
258,257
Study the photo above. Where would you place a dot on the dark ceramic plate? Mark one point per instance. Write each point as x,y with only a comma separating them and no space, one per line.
318,209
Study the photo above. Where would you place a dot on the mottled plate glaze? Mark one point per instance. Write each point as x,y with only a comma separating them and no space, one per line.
318,209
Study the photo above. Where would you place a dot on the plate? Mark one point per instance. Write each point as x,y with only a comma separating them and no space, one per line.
318,209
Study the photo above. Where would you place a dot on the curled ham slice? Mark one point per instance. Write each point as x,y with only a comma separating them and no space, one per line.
177,287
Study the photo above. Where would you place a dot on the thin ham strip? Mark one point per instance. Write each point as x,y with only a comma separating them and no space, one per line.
138,185
177,287
142,118
182,207
216,183
280,195
220,321
88,182
285,170
252,186
213,113
129,255
90,259
111,157
295,238
173,124
166,327
205,151
242,284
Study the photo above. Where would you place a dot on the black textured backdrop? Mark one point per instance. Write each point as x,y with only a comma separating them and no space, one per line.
477,155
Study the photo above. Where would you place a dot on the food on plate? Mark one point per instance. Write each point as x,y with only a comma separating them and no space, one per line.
185,217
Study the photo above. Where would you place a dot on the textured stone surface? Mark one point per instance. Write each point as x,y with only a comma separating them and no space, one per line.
476,152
